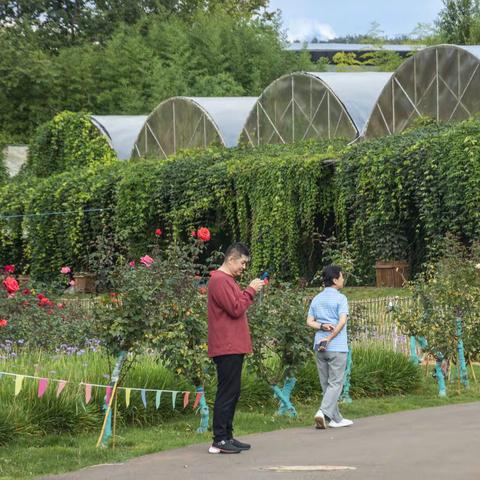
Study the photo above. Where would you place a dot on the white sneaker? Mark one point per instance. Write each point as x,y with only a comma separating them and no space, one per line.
320,420
342,423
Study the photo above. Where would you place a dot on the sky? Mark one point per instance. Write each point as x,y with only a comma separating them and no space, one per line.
326,19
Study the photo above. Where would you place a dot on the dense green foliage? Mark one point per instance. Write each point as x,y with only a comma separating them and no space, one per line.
3,168
68,141
252,195
136,63
448,290
398,196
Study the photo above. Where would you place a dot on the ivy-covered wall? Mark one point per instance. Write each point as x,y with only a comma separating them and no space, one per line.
398,196
274,198
69,140
390,198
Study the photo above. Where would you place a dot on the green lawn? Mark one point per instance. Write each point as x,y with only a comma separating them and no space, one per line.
27,458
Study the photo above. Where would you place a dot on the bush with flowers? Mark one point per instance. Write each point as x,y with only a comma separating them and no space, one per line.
34,320
157,304
445,314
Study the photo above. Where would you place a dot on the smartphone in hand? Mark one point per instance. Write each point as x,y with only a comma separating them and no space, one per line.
322,346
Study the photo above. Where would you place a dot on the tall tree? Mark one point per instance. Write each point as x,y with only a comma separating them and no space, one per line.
457,19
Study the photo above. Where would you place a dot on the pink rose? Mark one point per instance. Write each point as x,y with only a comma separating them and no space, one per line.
65,270
132,263
146,260
158,232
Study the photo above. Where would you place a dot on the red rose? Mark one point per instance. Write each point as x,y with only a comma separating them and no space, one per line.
203,234
26,291
45,302
40,296
11,285
202,290
3,323
158,232
9,268
132,263
194,234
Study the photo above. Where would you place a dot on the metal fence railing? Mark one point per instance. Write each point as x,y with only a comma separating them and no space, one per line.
372,320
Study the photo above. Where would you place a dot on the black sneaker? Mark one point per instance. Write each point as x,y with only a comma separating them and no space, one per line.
224,446
240,445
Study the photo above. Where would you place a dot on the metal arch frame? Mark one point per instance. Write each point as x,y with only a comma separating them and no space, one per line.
292,103
437,79
203,117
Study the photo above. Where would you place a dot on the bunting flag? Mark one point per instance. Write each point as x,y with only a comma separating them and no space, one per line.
198,396
88,393
108,394
61,386
186,397
158,397
18,383
43,383
42,387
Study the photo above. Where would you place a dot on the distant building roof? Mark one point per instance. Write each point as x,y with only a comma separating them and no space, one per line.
351,47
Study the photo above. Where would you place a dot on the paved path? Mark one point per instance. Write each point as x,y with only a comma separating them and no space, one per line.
435,443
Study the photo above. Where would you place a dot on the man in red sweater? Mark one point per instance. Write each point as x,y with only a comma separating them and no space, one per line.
228,342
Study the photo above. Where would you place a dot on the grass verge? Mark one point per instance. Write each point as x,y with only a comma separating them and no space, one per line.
29,457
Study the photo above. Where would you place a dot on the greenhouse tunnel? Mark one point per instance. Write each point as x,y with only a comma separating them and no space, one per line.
441,82
192,122
314,105
120,130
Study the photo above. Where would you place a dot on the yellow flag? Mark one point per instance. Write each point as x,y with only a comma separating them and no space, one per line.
127,396
18,384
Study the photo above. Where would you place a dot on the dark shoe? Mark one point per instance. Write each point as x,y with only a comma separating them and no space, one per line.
240,445
224,446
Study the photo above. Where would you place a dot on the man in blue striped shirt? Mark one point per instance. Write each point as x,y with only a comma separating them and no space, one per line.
328,315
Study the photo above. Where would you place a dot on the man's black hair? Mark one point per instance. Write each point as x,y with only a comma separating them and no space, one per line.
330,273
237,250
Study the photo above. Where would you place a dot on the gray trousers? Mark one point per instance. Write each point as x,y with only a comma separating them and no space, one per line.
331,370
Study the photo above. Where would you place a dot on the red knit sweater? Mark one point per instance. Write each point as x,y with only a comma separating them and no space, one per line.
228,331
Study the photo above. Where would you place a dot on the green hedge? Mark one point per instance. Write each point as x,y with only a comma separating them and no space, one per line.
273,198
398,196
69,140
389,198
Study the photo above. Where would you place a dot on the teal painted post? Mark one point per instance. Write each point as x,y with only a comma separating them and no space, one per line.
413,350
204,412
287,389
122,356
442,391
345,397
286,405
461,355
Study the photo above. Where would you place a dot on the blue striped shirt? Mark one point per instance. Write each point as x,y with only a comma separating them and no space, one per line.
327,307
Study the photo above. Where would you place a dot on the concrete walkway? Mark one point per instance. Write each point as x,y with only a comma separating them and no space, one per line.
435,443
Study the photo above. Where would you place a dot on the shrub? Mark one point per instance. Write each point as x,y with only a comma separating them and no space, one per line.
376,372
69,140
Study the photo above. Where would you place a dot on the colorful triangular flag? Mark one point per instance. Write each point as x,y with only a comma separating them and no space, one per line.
158,397
128,391
174,399
186,397
198,396
42,386
143,394
61,386
88,393
18,383
108,394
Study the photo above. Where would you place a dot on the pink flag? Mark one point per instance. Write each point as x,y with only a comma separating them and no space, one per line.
61,386
108,394
197,399
186,396
42,386
88,392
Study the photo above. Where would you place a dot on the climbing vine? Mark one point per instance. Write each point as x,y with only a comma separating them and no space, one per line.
69,140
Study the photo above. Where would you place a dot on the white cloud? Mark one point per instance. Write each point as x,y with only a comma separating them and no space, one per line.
304,29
